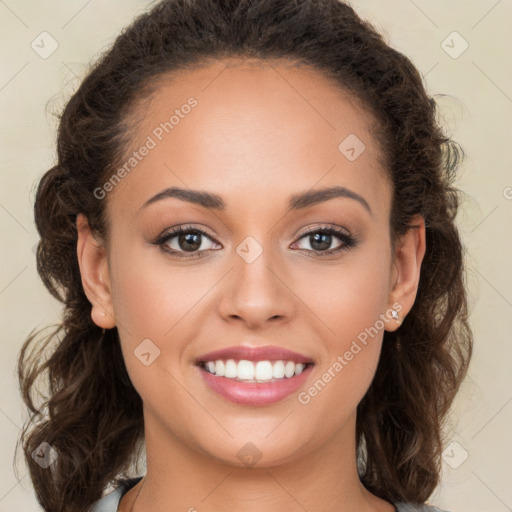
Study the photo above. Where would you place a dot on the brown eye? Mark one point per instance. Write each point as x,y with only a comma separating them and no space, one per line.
182,240
321,239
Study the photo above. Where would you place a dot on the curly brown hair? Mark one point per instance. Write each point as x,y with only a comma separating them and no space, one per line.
92,415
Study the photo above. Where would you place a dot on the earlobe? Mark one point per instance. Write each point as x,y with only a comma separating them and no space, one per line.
93,263
409,254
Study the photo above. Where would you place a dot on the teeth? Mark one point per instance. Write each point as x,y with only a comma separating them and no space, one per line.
245,370
219,369
263,370
230,370
250,371
299,368
289,369
278,370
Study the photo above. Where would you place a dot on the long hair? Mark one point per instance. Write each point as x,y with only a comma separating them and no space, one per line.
92,415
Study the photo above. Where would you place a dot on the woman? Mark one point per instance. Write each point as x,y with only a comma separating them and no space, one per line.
251,227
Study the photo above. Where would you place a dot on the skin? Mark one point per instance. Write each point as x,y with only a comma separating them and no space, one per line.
258,134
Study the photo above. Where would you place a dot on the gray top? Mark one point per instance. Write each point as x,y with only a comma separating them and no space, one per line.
110,502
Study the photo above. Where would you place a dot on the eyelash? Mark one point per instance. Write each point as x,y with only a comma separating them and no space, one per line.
347,239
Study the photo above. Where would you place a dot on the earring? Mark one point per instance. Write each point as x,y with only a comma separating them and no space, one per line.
394,314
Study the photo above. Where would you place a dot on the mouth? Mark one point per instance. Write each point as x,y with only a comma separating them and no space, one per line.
254,376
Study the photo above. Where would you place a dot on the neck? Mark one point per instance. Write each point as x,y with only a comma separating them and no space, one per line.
180,478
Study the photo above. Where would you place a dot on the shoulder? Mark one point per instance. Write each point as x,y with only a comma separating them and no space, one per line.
409,507
110,502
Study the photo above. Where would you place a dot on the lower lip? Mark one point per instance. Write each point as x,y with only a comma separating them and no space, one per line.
253,393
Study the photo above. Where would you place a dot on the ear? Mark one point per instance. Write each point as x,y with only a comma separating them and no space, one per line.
93,263
405,277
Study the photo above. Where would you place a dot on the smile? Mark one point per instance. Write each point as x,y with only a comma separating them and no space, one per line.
256,376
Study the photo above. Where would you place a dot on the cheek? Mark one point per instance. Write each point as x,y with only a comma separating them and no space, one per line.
151,296
151,304
347,297
350,302
161,301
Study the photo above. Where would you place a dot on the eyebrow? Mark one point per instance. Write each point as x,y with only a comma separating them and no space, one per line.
213,201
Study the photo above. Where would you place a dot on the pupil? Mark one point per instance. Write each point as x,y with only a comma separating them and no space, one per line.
188,238
325,244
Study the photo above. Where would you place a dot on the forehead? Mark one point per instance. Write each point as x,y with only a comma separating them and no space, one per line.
247,127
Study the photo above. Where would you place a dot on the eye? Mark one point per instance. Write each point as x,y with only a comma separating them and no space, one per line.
188,241
182,240
321,239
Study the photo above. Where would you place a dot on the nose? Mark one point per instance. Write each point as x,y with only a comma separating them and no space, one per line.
256,293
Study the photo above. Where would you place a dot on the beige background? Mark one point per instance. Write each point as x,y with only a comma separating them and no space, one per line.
477,107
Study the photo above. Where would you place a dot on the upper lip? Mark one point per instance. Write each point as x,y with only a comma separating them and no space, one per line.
268,352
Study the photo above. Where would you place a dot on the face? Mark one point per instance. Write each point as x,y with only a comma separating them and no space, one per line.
254,265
